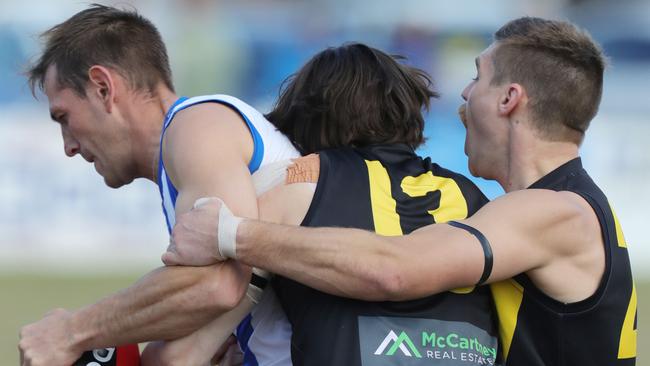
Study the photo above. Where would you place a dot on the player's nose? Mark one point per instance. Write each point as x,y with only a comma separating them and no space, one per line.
70,145
465,92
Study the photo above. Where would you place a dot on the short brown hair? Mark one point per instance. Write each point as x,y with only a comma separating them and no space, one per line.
353,95
560,66
101,35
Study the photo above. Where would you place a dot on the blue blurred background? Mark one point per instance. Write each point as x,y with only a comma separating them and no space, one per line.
57,215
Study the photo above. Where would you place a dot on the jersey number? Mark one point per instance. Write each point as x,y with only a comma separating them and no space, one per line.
384,207
627,343
452,206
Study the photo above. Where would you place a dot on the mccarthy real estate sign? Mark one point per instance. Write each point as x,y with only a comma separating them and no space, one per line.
387,341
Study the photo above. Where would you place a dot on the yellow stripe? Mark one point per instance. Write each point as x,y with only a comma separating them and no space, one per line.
463,290
620,238
508,296
453,205
627,344
384,207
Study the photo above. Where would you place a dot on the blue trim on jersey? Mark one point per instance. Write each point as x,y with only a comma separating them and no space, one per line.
162,197
171,110
160,163
173,193
258,148
244,333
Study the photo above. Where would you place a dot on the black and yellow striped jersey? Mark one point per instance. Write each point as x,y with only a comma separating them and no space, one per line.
537,330
392,191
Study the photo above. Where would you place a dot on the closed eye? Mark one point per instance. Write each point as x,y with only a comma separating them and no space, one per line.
59,117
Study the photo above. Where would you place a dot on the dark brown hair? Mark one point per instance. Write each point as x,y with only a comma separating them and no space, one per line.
353,95
560,66
101,35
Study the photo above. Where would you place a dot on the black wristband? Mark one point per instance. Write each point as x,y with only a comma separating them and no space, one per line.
487,249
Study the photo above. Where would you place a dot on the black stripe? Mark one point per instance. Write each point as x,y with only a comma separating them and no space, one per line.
258,281
487,249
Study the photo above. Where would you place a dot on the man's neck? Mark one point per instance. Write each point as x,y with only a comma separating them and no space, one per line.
151,111
532,159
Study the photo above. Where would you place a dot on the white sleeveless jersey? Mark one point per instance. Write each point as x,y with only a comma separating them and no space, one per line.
265,334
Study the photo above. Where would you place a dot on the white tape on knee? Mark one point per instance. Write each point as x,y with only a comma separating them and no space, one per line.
227,232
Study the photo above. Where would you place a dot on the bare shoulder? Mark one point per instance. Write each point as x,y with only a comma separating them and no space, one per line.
564,209
542,204
206,114
554,237
563,221
206,148
213,120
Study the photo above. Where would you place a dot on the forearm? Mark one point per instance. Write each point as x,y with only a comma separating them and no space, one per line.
343,262
199,347
168,303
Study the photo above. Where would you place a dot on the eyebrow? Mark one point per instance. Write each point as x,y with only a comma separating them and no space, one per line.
476,61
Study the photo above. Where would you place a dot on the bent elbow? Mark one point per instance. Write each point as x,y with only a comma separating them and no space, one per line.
382,279
388,284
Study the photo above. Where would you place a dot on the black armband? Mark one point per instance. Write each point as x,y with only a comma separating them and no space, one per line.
487,249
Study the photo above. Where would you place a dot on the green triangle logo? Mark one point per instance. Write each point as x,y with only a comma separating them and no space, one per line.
401,342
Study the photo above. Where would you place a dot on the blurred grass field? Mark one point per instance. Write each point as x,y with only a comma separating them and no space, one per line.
25,298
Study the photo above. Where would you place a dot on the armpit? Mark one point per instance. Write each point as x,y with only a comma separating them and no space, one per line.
305,169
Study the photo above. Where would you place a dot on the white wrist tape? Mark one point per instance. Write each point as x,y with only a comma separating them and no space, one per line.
227,232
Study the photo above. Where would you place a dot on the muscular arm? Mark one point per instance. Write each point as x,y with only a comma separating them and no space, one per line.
198,347
165,304
207,157
530,231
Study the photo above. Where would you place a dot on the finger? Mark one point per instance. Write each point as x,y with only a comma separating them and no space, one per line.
219,356
235,354
171,248
237,359
230,358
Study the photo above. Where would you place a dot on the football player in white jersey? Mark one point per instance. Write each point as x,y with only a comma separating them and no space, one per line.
107,79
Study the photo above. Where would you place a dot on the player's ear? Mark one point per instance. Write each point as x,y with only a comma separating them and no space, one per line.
513,94
102,85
